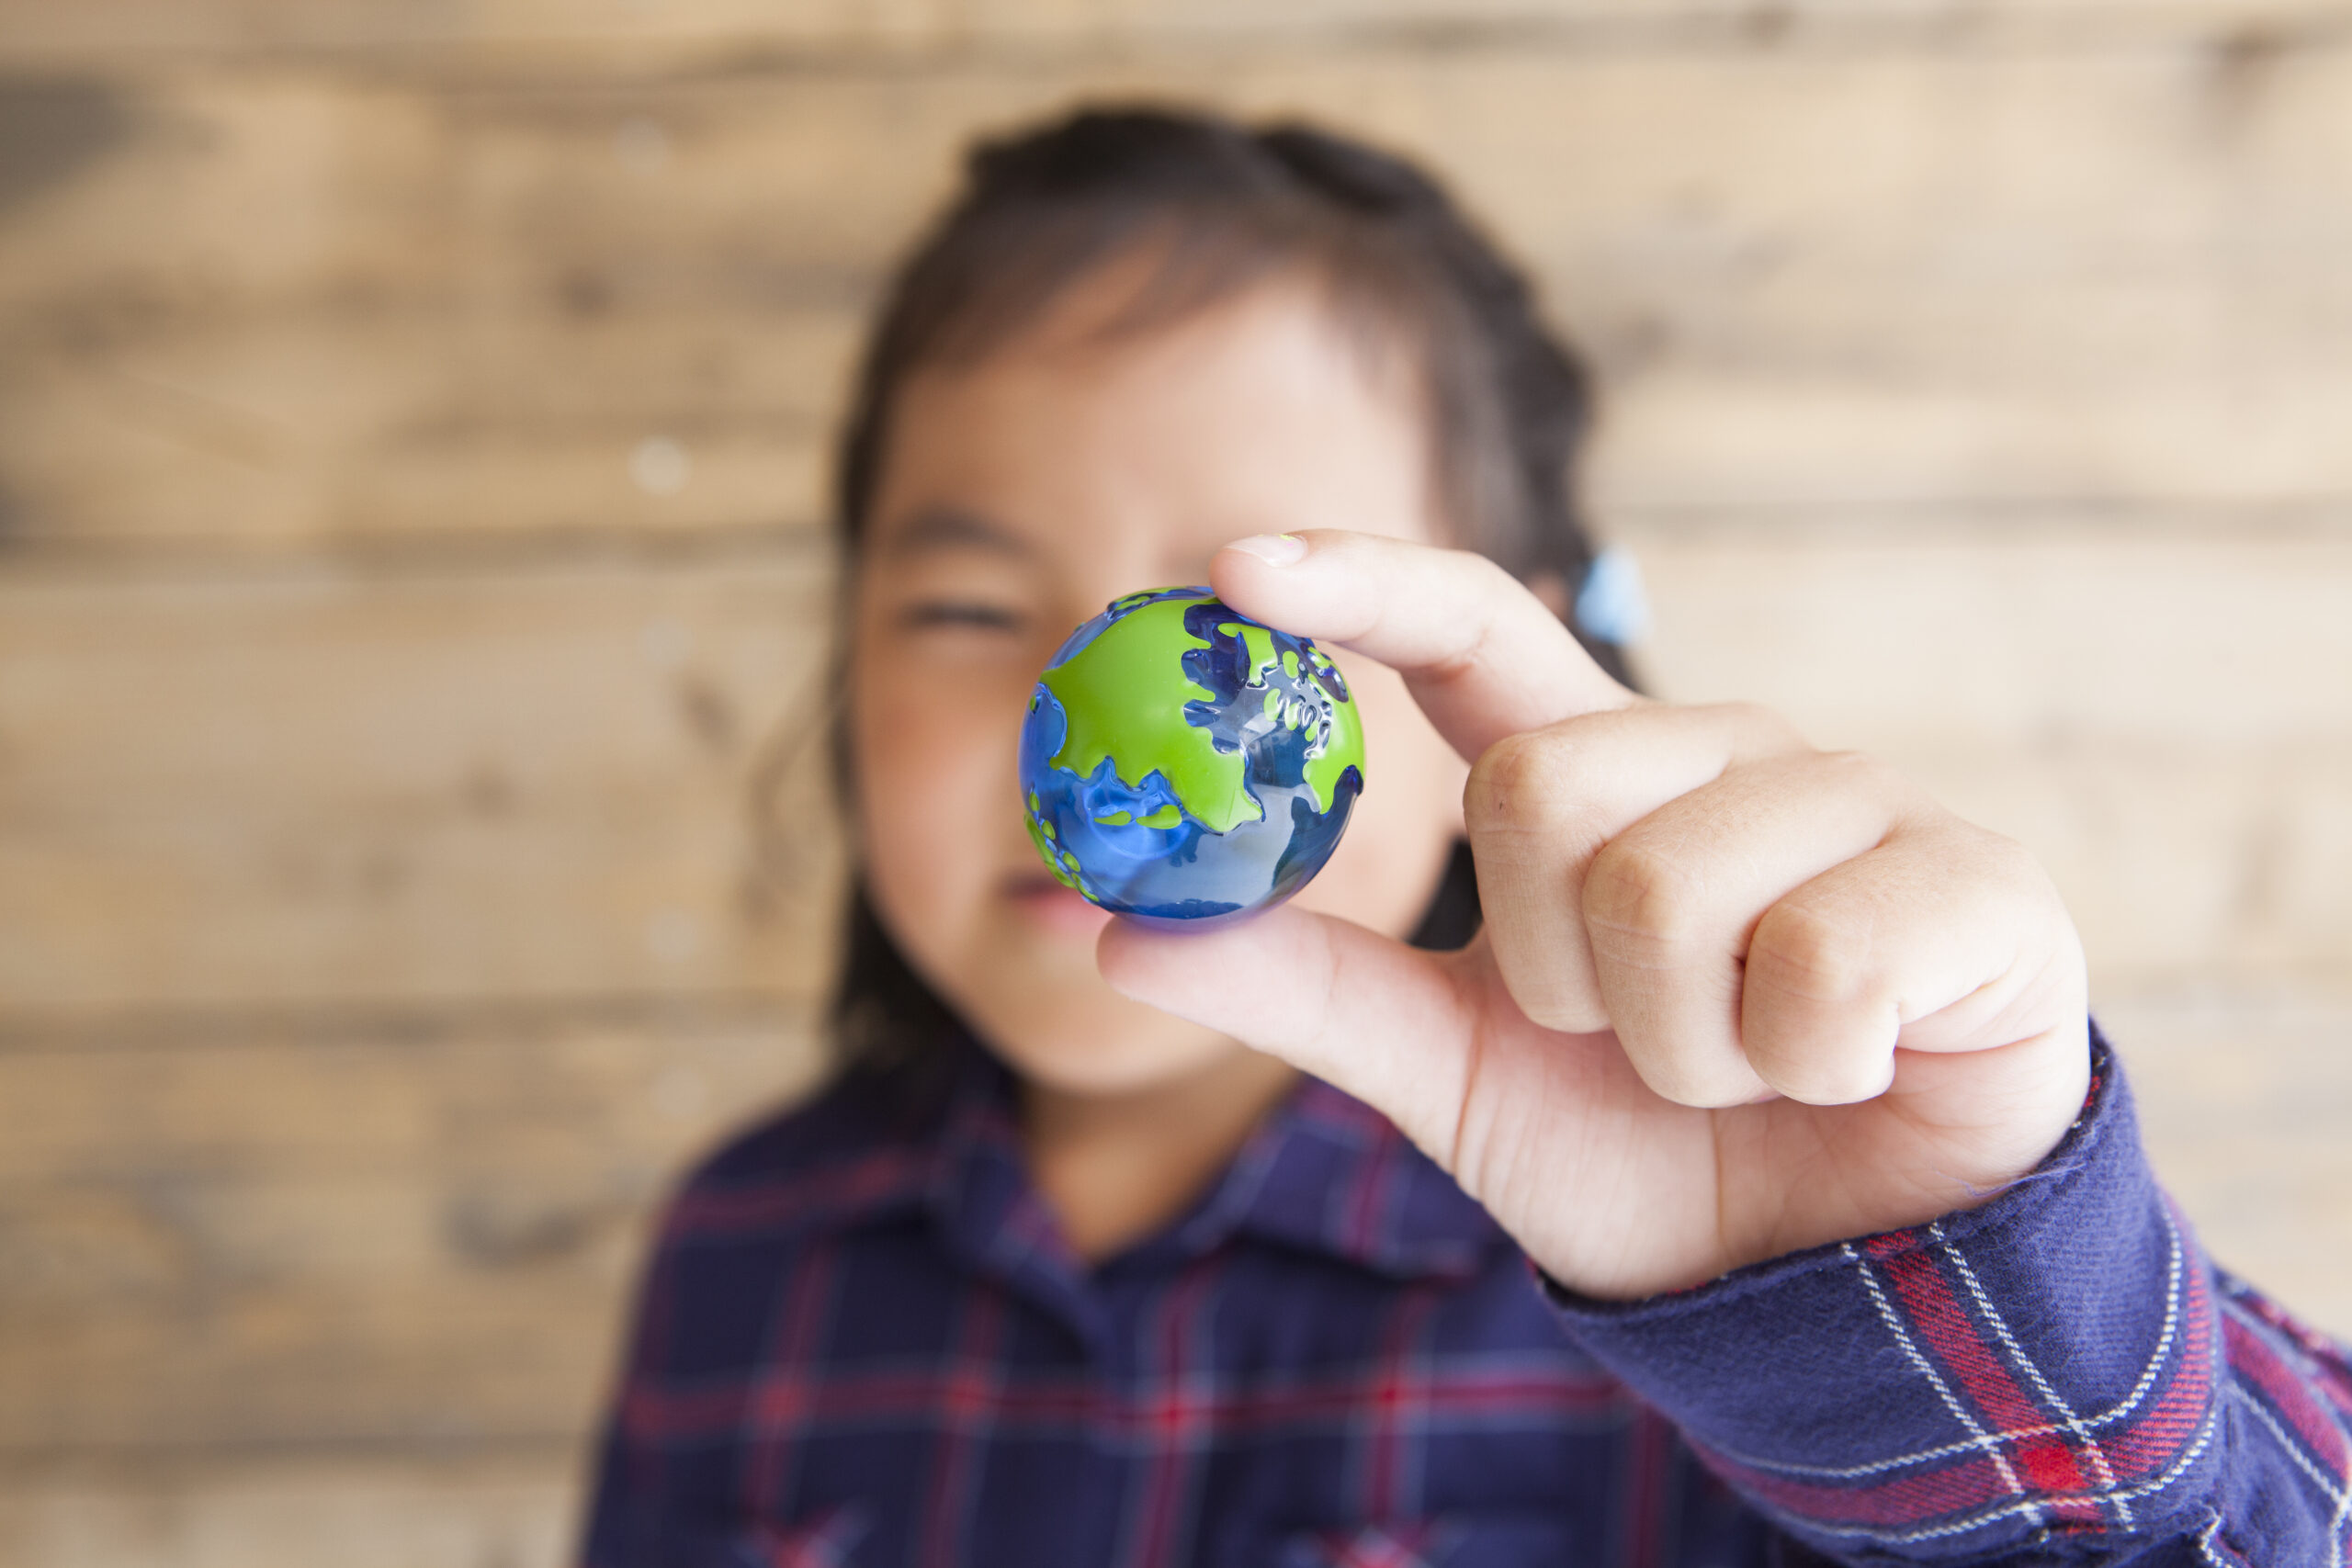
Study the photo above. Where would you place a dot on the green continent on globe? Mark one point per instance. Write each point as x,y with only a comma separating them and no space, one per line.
1098,688
1343,751
1060,861
1344,748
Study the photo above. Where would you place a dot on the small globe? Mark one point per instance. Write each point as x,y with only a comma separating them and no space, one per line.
1182,763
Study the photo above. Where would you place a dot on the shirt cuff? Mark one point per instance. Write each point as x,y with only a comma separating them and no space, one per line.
2041,1365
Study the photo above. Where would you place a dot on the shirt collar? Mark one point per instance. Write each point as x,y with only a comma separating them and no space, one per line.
1327,1173
1322,1173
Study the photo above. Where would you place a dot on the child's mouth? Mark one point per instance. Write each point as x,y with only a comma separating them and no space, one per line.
1052,906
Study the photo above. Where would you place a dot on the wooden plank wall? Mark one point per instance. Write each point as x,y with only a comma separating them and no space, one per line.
412,424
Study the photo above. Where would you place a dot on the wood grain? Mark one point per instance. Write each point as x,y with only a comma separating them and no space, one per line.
405,1232
414,424
499,1510
2243,1099
580,1092
827,29
2160,719
1914,633
223,1312
325,785
283,305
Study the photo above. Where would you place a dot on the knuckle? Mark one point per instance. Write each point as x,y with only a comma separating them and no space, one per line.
2008,860
1763,729
1908,804
1860,773
1993,862
1521,784
1502,780
1640,891
1811,955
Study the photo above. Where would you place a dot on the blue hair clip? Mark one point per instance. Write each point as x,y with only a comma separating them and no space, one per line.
1611,604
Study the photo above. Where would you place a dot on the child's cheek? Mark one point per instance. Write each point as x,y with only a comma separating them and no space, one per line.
935,779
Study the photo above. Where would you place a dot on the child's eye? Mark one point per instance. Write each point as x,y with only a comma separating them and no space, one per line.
929,613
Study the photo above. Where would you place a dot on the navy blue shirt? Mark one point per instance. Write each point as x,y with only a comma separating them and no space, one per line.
861,1341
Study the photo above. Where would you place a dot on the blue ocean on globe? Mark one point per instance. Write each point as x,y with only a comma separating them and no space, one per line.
1182,763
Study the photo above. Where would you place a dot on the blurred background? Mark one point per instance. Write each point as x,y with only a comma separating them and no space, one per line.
413,581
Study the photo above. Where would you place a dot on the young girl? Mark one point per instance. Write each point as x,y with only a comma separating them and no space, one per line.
1750,1188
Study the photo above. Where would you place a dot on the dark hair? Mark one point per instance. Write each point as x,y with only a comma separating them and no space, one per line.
1209,206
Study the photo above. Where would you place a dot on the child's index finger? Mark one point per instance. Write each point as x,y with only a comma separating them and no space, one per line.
1480,653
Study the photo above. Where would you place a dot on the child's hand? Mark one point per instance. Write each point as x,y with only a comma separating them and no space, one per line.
1734,996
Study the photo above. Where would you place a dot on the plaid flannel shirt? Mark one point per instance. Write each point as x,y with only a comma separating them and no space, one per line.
861,1341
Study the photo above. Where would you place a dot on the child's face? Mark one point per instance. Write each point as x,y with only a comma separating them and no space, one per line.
1019,496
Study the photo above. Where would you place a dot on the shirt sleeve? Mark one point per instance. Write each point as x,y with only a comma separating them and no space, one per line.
2058,1376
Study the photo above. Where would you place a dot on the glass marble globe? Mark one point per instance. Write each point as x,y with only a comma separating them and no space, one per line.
1184,763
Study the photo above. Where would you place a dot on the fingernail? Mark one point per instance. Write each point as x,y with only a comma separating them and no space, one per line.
1274,549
